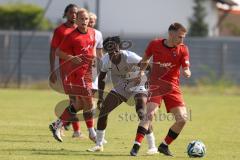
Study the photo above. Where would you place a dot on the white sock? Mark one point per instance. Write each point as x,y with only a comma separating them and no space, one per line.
135,142
100,137
92,132
151,140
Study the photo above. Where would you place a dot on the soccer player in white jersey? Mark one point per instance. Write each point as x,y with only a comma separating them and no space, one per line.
122,64
99,50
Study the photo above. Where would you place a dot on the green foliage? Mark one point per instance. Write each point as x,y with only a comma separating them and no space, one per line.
211,79
198,28
19,16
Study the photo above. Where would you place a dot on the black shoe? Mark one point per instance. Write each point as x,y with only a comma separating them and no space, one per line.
135,150
164,150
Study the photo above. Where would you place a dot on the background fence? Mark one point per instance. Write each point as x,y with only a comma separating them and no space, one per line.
24,57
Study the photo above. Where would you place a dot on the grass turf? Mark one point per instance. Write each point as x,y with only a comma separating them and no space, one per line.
26,114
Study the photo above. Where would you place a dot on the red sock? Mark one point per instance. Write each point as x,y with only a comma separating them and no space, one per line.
141,132
76,126
139,138
168,140
64,123
65,117
171,136
89,123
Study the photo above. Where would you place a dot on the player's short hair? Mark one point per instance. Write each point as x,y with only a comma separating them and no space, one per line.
92,15
109,41
67,9
82,10
176,26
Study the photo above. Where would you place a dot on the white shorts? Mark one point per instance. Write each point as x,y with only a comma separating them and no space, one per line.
129,89
95,84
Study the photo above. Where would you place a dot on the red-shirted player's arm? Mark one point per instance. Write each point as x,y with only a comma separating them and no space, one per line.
65,51
146,57
54,44
143,64
185,63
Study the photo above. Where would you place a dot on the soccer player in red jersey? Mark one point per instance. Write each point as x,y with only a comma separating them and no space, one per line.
168,55
70,13
77,50
59,34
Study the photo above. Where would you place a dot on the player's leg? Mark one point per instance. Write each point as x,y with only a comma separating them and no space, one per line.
111,101
76,124
68,115
180,115
143,126
140,101
88,112
174,104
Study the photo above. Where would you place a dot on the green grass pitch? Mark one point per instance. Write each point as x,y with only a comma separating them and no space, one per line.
26,114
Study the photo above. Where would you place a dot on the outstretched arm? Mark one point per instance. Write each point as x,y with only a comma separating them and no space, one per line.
53,76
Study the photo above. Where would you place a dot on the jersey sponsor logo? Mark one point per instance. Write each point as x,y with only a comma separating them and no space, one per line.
169,64
88,47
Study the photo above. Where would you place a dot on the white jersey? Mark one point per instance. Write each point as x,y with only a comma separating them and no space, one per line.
98,45
123,74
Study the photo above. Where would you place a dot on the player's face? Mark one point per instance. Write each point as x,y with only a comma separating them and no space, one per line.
178,37
114,51
82,19
72,14
92,22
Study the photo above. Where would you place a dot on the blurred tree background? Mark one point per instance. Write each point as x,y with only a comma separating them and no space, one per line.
19,16
198,28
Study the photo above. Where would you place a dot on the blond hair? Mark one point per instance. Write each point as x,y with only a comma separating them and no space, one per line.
92,15
82,10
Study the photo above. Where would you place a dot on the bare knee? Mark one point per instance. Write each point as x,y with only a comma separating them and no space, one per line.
181,120
150,116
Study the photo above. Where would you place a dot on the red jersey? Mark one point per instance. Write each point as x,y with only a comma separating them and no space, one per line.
169,59
82,45
59,34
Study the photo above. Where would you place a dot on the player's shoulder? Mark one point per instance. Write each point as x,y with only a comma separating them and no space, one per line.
156,41
91,30
128,53
105,58
59,28
97,32
98,35
183,46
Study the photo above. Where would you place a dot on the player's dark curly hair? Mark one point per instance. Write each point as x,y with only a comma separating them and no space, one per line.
67,8
110,41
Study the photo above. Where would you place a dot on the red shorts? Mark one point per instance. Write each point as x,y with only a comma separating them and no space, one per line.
77,86
171,95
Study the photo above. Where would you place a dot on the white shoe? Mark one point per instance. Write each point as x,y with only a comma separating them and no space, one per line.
96,149
152,151
55,128
105,141
78,134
